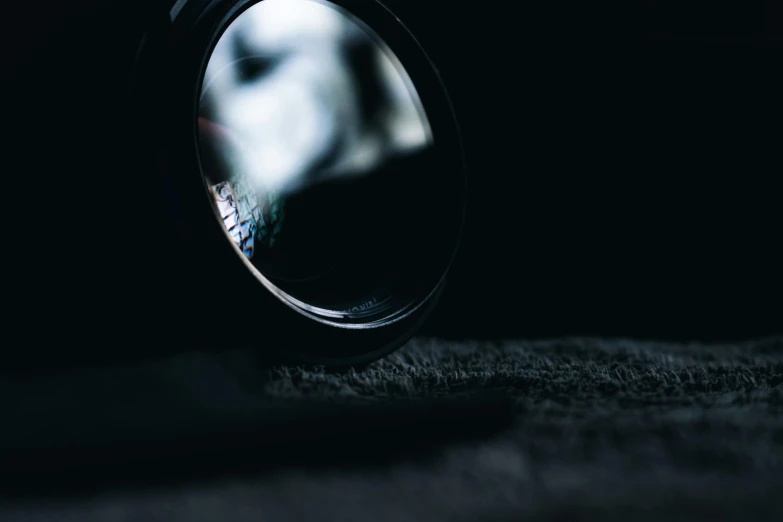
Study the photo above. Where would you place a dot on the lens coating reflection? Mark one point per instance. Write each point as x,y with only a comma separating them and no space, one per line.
313,144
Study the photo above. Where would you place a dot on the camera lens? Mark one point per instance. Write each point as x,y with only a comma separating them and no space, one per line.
317,153
314,167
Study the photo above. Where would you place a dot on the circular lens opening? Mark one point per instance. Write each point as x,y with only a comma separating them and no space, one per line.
319,158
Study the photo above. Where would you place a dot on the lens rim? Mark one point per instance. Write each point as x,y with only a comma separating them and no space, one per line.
192,35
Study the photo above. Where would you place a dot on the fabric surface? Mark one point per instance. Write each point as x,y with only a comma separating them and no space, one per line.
619,429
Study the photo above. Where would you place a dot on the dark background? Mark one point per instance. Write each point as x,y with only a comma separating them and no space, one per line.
623,172
623,167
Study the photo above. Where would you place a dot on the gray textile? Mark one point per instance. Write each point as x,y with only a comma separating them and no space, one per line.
616,429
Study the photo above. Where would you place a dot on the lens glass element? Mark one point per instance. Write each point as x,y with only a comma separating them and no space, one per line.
313,143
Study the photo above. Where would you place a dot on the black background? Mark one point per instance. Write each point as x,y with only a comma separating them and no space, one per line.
623,168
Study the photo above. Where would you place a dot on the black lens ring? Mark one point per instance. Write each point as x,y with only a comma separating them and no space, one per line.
191,37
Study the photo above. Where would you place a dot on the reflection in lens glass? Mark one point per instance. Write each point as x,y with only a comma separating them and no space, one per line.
310,131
